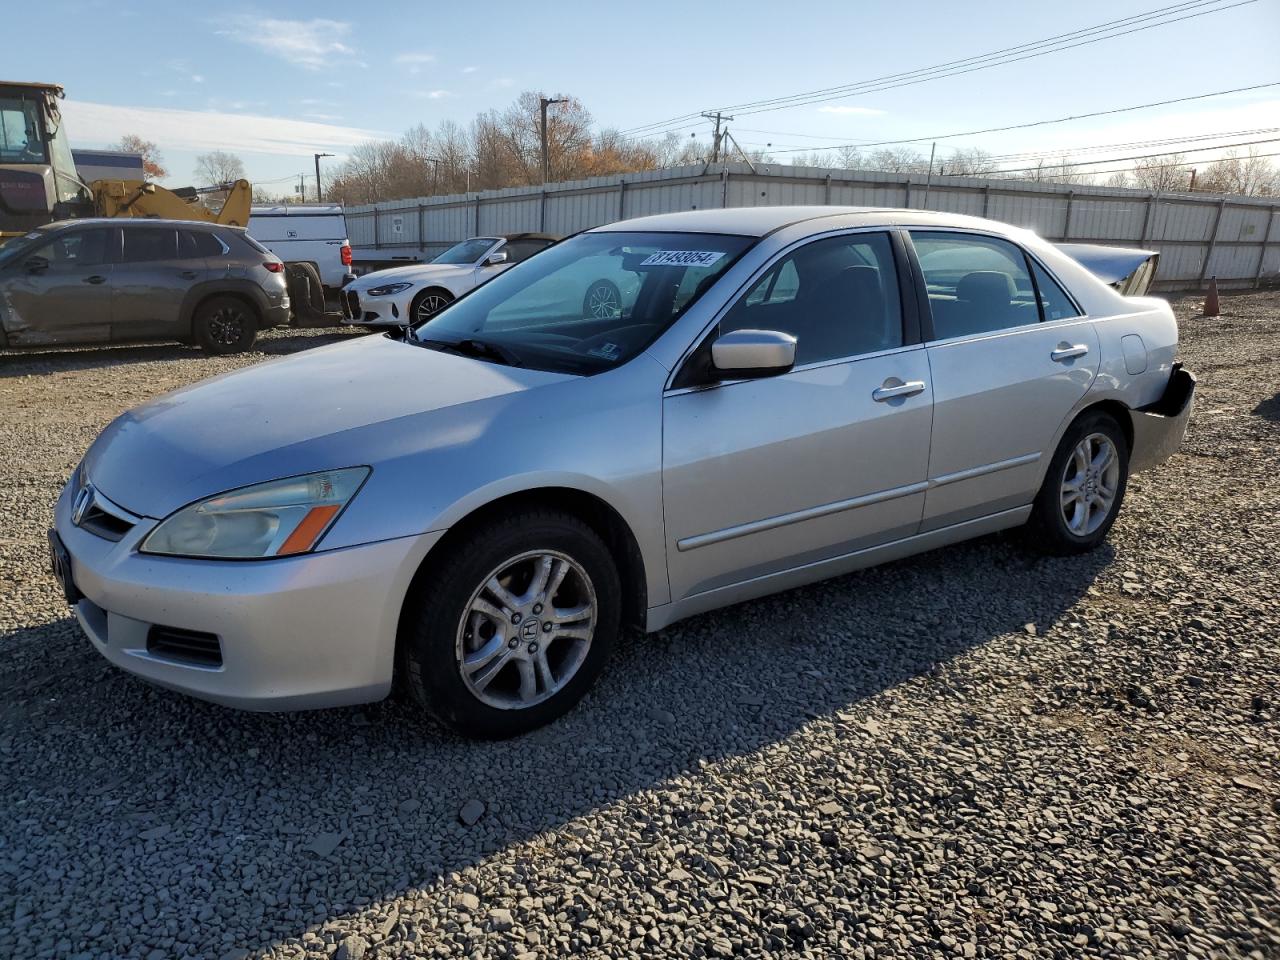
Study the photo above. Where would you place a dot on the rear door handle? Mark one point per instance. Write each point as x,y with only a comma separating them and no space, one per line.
889,392
1068,352
96,278
189,274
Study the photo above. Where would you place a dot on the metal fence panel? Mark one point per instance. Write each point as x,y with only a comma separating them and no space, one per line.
1199,235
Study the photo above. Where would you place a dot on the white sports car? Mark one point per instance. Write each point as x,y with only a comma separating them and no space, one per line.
411,294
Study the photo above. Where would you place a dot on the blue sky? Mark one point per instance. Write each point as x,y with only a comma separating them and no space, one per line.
277,83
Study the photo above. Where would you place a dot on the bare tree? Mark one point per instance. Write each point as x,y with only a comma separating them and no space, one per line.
970,162
219,167
1250,174
897,160
1120,178
152,161
1161,174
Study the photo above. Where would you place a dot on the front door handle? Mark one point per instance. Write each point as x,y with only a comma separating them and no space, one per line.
891,391
96,278
1067,351
189,274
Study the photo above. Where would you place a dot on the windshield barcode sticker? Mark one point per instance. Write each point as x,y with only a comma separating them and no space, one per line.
682,258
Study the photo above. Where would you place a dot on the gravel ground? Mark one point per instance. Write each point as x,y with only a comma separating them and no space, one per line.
975,753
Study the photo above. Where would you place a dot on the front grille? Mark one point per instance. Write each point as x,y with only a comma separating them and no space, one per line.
351,304
106,525
184,646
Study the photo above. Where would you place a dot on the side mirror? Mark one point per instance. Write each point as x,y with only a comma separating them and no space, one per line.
36,264
750,354
493,259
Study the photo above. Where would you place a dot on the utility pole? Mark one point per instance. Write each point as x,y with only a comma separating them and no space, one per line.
1192,187
435,171
302,188
928,181
718,119
319,199
546,156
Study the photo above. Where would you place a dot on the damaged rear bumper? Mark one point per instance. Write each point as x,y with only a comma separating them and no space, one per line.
1158,429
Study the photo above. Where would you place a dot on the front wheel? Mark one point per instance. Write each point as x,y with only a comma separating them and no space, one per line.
1083,487
513,626
224,325
428,303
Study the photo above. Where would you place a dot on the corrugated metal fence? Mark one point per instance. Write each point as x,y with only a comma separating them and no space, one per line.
1235,238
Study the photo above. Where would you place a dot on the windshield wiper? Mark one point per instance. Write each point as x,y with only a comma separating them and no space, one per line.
480,349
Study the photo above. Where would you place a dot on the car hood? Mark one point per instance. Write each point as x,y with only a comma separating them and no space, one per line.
418,271
347,404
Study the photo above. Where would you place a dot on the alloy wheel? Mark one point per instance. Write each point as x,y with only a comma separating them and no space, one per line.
1090,482
603,302
226,326
430,305
526,630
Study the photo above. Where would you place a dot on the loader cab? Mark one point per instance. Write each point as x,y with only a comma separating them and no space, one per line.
38,181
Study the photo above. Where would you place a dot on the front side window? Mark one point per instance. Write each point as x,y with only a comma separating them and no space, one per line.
520,250
467,252
976,284
145,244
20,137
585,305
1054,302
838,297
80,248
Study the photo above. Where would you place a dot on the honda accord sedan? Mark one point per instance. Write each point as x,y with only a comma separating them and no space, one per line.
474,508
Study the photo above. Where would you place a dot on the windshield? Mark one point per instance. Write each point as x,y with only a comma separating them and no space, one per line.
585,305
468,251
20,140
13,249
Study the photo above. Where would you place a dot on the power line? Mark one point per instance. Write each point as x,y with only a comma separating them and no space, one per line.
1139,22
1094,148
1041,123
1099,173
1145,156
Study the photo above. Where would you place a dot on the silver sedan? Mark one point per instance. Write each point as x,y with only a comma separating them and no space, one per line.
477,506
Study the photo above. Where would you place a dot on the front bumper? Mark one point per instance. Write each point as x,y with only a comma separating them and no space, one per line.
315,630
359,309
1158,429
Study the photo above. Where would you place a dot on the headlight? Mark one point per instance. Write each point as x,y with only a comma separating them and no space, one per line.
387,289
272,519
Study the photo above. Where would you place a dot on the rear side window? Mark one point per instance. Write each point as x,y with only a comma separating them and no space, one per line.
518,250
256,245
838,297
198,243
1054,302
976,284
145,244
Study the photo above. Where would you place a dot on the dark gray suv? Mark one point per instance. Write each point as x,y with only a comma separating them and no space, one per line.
111,281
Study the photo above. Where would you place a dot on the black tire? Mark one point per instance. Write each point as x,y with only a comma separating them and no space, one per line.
599,296
224,325
306,293
428,303
1048,530
434,627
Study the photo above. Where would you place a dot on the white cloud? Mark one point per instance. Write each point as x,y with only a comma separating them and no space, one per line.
853,111
502,82
434,94
415,61
470,69
197,78
99,123
311,44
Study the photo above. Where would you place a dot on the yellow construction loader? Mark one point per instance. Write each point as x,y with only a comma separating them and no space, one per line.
39,183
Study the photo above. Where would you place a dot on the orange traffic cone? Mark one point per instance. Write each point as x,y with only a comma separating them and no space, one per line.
1211,308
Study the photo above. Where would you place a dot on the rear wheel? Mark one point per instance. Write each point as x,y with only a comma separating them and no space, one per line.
513,626
223,325
602,301
1083,487
430,302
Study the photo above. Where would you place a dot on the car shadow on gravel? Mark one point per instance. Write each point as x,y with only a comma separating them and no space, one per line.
1269,409
274,825
24,362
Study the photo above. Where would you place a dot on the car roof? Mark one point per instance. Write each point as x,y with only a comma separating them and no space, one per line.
131,222
759,221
